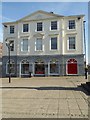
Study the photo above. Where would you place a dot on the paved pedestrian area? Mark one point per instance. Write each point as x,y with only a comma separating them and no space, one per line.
44,97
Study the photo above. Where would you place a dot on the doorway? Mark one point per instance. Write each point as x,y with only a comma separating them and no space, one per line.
72,67
39,68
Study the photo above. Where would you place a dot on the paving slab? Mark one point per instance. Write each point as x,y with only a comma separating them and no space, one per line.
44,97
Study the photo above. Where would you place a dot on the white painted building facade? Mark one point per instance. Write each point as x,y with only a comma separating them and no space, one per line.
44,44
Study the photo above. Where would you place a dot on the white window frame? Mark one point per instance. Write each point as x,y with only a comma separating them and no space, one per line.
14,29
7,72
57,25
50,43
14,46
36,44
28,27
49,73
68,24
68,44
42,26
11,44
21,66
21,49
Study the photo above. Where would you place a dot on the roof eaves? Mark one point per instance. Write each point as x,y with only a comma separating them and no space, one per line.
82,15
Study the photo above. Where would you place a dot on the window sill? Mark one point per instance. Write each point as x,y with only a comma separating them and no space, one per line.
12,33
24,51
39,31
71,29
54,50
12,51
26,32
38,50
55,30
72,50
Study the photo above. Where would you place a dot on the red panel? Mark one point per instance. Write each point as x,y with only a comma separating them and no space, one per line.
72,68
39,72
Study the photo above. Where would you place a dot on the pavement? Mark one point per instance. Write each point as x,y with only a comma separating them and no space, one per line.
44,97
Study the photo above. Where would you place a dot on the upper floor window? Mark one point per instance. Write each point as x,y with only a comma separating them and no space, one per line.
53,25
11,45
25,27
24,45
39,44
11,29
39,26
71,24
54,43
72,45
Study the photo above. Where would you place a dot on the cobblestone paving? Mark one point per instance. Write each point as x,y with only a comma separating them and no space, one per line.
44,97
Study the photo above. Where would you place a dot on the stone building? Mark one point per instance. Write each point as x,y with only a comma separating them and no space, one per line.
45,44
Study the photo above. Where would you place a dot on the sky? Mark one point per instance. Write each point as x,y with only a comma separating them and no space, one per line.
12,11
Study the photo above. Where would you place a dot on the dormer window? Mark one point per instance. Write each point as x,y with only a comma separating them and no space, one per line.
25,27
11,29
39,26
71,24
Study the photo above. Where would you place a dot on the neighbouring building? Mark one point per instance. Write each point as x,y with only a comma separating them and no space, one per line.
1,45
44,44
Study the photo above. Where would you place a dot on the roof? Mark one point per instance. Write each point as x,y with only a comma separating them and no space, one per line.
82,15
44,12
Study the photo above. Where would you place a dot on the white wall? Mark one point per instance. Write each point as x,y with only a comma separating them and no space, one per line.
62,33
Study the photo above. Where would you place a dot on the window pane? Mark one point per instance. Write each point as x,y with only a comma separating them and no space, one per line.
54,25
12,45
24,45
54,43
72,24
54,67
71,42
12,67
39,44
39,26
11,29
25,27
25,68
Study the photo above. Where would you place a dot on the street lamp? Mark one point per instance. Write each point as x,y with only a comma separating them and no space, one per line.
85,50
8,44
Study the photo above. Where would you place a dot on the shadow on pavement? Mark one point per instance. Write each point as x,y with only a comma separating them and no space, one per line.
44,118
78,88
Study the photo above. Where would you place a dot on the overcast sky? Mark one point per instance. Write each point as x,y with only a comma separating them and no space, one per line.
12,11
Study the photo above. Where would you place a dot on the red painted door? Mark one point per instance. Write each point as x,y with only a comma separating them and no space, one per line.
72,67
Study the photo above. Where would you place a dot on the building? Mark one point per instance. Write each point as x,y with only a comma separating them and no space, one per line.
1,45
44,44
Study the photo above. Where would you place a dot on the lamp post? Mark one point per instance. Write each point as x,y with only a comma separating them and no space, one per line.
85,50
8,44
